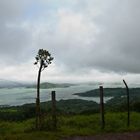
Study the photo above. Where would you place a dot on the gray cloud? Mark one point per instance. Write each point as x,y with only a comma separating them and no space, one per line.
108,40
120,39
92,34
14,37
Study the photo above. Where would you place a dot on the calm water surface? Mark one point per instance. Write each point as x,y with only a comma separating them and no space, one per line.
19,96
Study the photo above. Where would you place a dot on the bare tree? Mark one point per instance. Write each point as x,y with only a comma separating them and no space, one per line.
43,59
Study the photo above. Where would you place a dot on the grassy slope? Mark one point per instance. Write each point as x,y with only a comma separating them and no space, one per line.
68,126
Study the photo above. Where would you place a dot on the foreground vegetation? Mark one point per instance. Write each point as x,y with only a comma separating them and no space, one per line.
68,125
74,117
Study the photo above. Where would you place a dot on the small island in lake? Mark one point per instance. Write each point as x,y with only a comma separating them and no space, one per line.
47,85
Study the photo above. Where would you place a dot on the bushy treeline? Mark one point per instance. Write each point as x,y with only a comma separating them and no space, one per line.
17,113
120,104
64,107
68,107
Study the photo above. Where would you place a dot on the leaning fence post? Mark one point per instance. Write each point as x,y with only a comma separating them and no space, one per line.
102,107
54,119
128,107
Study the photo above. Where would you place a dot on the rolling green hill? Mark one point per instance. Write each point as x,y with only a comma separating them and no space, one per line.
75,117
110,92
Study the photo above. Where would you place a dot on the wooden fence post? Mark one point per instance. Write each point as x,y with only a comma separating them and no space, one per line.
54,119
128,107
102,107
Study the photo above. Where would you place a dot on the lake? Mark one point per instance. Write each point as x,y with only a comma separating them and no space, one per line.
19,96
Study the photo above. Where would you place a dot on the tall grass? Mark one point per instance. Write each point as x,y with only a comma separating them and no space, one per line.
69,126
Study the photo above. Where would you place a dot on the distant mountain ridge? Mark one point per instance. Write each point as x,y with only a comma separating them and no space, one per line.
10,84
46,85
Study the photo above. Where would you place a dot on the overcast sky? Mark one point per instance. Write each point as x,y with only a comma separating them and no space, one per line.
90,40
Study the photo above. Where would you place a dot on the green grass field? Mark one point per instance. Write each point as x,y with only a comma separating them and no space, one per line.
69,126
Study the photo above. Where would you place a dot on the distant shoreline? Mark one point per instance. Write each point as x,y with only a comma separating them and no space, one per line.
108,92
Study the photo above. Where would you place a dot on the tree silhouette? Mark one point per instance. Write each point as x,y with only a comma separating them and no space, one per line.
43,59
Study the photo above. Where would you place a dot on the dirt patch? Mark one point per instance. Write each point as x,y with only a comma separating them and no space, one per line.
110,136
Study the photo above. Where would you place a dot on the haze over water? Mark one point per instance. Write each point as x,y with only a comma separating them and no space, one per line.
19,96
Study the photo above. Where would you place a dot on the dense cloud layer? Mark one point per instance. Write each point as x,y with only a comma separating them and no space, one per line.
101,35
81,35
15,38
